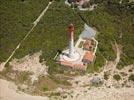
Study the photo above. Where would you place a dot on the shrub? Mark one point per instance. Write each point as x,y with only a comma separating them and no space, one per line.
45,88
117,77
131,77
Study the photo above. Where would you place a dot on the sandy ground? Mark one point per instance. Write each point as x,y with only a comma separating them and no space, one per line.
101,93
2,66
30,64
8,91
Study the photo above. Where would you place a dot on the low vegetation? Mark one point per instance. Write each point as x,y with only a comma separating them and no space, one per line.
22,77
131,77
45,88
16,20
106,75
60,81
113,21
117,77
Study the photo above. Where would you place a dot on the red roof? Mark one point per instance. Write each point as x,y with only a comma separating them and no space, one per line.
88,56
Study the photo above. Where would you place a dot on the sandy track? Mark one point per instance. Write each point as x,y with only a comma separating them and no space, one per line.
114,64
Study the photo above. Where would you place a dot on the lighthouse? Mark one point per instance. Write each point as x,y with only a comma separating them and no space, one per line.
71,41
71,54
79,55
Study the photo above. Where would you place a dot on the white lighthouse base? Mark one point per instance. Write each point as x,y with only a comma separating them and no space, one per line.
65,56
74,62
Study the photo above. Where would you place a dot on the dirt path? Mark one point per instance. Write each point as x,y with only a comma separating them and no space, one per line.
118,52
113,64
42,14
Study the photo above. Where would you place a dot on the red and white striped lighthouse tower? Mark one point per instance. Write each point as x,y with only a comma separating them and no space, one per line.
71,40
71,54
